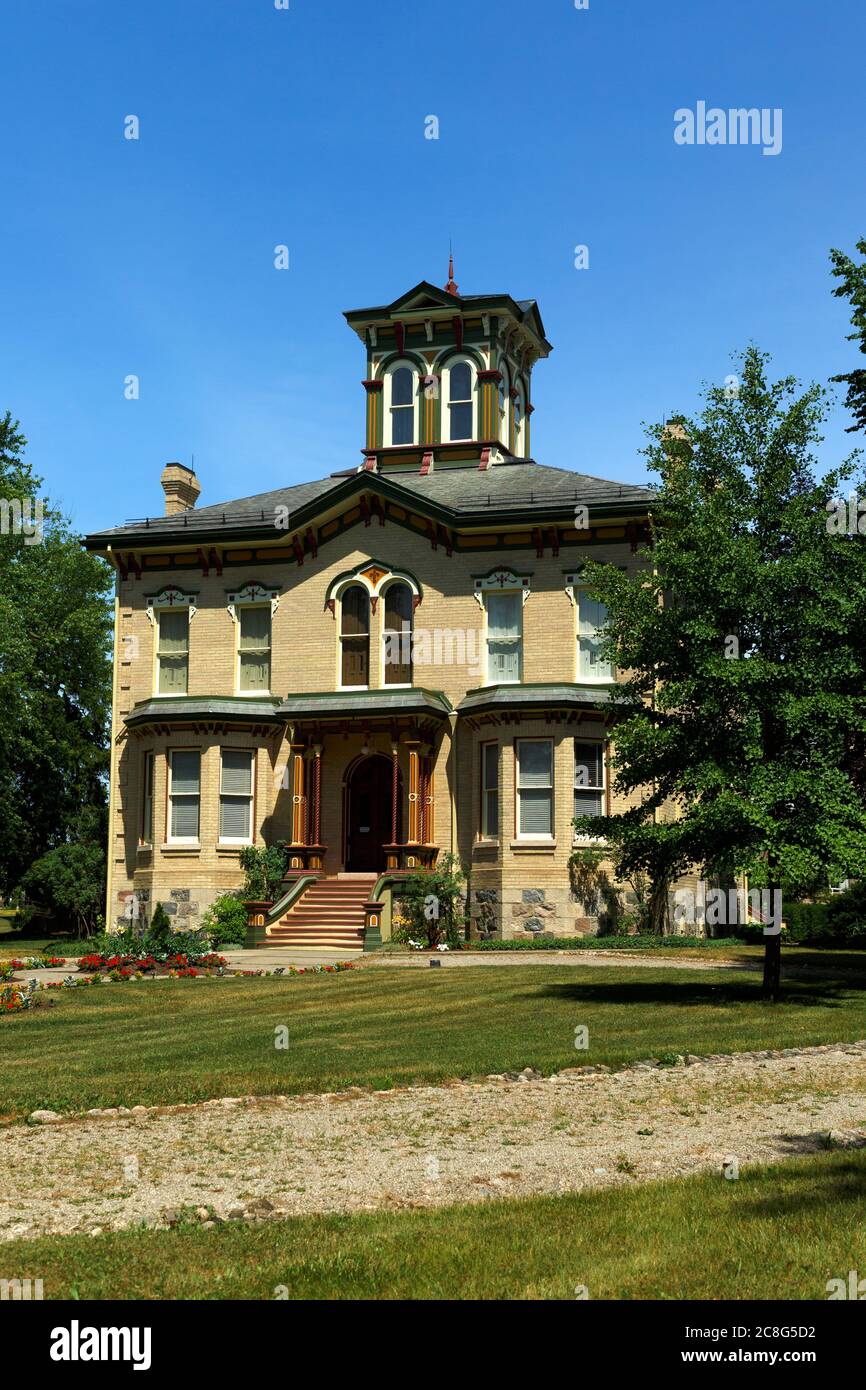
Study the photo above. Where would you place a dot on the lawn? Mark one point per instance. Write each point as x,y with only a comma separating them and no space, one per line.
780,1232
169,1041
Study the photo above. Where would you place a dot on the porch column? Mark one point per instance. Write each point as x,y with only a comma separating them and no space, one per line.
299,800
414,749
429,820
317,794
395,790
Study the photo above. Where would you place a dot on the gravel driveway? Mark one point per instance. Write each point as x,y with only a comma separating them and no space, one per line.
425,1146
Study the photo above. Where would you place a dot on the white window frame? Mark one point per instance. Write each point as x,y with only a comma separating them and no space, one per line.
446,398
148,808
235,839
547,837
591,839
239,690
486,833
519,593
387,431
157,614
580,594
186,796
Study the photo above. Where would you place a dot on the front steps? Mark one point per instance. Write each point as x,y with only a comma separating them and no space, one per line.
329,916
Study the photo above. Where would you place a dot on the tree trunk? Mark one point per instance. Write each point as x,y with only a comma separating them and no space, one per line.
773,959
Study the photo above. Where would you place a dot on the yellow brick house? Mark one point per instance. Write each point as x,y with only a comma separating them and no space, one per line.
380,666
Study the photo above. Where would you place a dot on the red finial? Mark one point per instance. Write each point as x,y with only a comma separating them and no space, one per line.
451,287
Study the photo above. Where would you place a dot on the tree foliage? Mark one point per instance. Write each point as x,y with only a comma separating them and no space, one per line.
852,286
55,674
742,706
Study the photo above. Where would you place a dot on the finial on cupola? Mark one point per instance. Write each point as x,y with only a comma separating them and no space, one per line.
451,287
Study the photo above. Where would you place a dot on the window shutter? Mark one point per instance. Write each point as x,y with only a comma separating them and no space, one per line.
255,628
184,818
173,632
234,818
236,772
587,804
534,764
535,817
185,773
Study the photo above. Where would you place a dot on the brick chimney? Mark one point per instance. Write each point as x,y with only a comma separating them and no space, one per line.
181,488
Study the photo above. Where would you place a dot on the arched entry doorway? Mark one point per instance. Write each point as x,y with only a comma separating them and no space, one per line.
368,812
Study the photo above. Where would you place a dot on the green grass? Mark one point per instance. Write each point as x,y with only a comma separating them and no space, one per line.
171,1041
779,1232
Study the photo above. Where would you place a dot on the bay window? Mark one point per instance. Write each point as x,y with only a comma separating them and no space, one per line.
534,789
489,791
236,796
184,796
588,779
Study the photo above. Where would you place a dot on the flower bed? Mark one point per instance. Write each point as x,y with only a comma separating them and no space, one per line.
334,969
124,967
14,999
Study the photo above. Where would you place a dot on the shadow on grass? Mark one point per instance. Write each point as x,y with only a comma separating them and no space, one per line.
801,1190
824,994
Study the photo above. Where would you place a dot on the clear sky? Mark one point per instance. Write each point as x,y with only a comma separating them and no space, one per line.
306,127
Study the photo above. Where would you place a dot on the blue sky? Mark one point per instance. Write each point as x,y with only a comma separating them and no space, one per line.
305,127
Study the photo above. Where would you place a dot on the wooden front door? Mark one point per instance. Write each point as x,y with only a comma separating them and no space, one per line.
368,814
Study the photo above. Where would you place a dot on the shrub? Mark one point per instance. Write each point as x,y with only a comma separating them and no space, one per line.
430,903
846,915
807,922
159,936
264,869
225,921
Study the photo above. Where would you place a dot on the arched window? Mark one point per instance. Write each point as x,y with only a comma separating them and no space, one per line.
397,634
504,403
355,636
401,405
460,403
520,422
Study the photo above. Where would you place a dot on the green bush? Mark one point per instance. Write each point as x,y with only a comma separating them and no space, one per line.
846,915
807,922
642,942
431,900
159,937
226,921
264,869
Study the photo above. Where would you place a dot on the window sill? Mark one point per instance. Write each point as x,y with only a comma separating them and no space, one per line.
542,846
144,849
173,847
254,695
232,846
486,847
590,840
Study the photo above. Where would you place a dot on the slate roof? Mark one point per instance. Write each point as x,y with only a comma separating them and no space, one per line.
513,487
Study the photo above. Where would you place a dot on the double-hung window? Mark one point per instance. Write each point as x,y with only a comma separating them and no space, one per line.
172,651
588,780
147,800
534,789
504,638
591,623
489,791
184,795
254,647
236,796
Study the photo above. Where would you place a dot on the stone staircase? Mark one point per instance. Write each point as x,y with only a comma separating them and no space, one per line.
329,916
